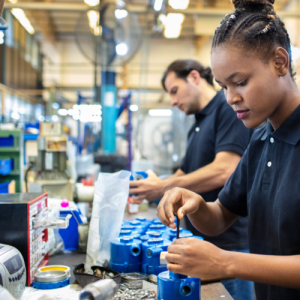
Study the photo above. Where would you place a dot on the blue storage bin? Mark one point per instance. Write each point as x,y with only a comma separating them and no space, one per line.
5,166
70,235
4,187
7,141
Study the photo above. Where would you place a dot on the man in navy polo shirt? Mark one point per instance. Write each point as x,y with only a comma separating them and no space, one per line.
216,143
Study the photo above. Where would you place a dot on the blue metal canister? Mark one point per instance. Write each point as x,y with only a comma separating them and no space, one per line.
172,286
151,255
125,254
151,235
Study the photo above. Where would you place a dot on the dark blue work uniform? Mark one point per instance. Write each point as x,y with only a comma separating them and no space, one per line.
266,187
217,129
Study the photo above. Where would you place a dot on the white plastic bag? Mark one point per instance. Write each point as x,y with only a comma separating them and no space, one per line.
111,194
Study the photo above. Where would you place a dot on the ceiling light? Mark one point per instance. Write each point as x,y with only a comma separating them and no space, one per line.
179,4
160,112
92,2
121,49
62,112
54,118
158,4
14,115
93,18
134,107
121,13
13,1
173,25
70,112
55,105
295,53
20,15
41,118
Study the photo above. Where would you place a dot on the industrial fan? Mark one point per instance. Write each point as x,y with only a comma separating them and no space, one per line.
108,35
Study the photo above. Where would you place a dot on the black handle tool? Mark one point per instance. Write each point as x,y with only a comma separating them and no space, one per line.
178,225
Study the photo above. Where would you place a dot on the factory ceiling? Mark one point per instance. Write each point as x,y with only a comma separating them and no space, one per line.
56,19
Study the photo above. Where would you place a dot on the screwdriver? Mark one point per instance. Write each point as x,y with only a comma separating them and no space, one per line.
178,225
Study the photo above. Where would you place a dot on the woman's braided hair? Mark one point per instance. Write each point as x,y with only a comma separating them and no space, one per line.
254,26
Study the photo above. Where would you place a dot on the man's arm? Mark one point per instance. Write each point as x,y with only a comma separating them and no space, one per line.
205,179
178,173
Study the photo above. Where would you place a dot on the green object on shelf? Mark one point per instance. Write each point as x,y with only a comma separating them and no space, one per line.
11,147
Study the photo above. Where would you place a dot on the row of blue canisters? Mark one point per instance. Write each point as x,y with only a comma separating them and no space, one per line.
139,246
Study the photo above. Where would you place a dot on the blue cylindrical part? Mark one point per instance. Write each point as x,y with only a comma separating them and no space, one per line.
139,226
157,227
151,255
151,235
131,233
170,233
175,286
125,253
133,228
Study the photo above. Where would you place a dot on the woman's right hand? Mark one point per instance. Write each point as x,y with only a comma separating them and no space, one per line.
180,201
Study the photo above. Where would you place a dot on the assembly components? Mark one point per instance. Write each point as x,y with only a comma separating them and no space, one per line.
103,289
151,251
151,235
125,253
175,286
170,233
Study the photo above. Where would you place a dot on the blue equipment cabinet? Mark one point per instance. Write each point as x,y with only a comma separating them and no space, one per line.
151,255
172,286
125,255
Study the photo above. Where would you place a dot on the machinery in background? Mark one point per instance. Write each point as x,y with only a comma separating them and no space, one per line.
11,148
12,271
51,165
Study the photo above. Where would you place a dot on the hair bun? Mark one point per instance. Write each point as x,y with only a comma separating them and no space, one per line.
253,4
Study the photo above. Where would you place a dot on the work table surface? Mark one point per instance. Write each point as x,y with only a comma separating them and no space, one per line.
210,291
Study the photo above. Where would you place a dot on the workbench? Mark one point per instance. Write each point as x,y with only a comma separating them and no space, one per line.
210,291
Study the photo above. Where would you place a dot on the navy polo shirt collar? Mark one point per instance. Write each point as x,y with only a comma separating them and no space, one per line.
288,132
210,107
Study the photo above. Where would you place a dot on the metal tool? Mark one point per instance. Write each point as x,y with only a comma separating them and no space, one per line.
178,225
103,289
12,270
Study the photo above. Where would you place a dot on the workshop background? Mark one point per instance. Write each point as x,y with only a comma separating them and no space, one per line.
81,94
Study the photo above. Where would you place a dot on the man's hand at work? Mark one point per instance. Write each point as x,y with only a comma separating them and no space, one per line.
180,201
151,189
197,258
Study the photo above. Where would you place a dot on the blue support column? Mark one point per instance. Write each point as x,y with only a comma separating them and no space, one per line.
109,111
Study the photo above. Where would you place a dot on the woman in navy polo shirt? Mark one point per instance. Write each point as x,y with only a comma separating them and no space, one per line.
251,61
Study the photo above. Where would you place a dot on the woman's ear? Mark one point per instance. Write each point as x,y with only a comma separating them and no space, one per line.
281,61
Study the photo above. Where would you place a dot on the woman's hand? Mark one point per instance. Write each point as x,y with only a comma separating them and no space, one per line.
197,258
180,201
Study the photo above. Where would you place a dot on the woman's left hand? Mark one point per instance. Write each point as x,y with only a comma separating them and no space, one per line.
196,258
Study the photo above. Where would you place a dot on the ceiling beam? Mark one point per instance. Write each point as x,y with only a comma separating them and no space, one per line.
54,6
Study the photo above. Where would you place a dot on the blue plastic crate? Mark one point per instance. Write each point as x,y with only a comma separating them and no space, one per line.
5,166
4,187
7,141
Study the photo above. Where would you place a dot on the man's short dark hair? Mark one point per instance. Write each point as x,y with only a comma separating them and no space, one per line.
183,67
